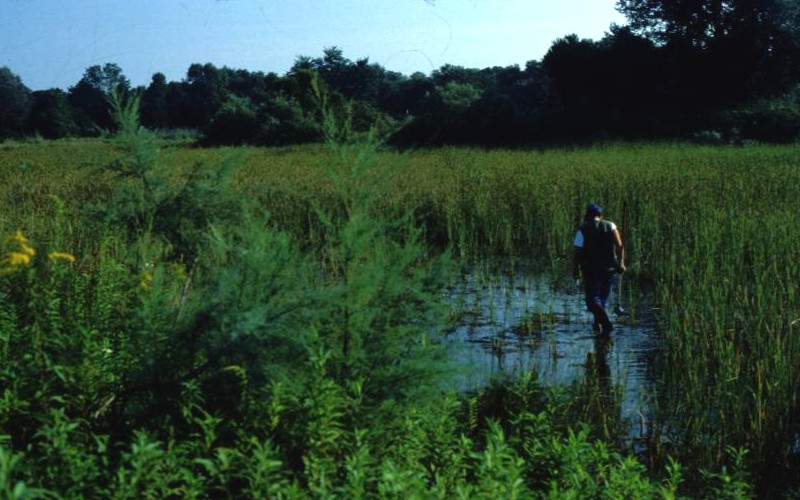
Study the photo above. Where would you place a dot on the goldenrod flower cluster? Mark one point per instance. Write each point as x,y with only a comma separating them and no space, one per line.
61,256
19,253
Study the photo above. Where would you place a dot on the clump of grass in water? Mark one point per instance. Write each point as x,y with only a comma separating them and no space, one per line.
535,323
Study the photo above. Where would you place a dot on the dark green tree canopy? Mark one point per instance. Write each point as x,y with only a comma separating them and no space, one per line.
105,78
154,102
701,23
679,67
15,100
51,116
735,48
89,97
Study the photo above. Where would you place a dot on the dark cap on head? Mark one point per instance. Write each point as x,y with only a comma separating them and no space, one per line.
594,210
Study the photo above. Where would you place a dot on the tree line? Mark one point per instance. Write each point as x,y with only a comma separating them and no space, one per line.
718,70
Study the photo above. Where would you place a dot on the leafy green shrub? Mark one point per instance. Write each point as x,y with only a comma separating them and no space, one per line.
283,121
234,124
731,481
767,120
49,355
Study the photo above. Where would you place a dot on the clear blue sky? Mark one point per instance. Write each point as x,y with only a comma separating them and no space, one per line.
49,43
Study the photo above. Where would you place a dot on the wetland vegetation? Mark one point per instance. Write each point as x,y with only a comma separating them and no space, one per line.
190,322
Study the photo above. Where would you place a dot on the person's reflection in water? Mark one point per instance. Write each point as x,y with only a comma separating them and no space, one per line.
598,382
603,372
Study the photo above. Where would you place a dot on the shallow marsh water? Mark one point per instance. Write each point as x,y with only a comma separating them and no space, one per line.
514,320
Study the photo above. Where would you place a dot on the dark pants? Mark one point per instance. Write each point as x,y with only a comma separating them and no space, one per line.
597,288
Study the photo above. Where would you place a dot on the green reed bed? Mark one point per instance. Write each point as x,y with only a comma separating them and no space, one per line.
712,227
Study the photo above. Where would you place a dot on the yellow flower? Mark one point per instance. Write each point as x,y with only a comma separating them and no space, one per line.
21,243
19,253
18,258
19,238
61,256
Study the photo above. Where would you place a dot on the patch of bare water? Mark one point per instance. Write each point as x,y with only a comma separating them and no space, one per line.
515,321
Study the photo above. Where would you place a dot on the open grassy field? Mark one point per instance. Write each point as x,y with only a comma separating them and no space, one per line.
160,302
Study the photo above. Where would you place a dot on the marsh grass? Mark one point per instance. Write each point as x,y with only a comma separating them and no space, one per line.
711,228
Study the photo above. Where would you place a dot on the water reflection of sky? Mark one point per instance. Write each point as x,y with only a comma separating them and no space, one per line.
511,324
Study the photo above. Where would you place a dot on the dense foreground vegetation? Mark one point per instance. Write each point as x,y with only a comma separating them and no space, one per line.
264,323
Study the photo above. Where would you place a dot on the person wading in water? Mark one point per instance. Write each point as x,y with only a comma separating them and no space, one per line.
599,254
